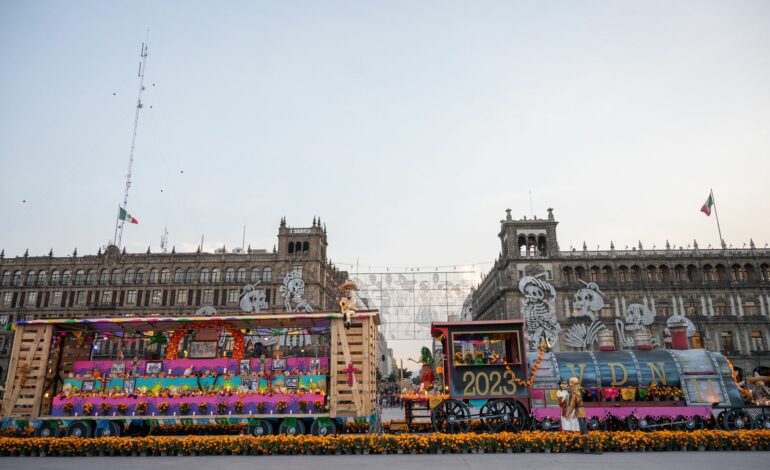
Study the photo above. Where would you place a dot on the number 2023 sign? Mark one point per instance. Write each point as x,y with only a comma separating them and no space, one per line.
485,381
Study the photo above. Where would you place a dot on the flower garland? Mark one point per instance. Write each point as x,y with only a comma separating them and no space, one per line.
532,373
239,338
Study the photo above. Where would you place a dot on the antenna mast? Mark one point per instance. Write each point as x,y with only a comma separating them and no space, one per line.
142,65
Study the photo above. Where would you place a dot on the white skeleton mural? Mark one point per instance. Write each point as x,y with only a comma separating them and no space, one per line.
253,300
292,290
637,318
538,307
589,301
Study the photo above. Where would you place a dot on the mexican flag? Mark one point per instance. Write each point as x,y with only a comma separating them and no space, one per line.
706,209
125,216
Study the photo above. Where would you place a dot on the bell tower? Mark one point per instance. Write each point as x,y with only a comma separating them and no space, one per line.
529,239
302,242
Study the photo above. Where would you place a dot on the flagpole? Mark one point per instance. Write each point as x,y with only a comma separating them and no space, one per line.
716,214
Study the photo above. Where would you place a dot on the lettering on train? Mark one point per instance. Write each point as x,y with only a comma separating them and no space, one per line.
657,371
615,382
582,367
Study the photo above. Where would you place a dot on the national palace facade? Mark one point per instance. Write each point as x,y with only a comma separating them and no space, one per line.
568,297
295,275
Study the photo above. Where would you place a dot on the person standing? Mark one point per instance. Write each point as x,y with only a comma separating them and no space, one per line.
576,408
568,424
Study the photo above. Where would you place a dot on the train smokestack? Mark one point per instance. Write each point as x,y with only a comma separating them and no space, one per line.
606,340
678,331
643,340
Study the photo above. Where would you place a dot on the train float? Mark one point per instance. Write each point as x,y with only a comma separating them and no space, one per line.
279,373
487,376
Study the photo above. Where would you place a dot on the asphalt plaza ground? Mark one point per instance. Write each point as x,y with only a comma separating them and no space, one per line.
609,460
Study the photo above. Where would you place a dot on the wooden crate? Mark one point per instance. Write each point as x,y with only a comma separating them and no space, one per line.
27,371
356,345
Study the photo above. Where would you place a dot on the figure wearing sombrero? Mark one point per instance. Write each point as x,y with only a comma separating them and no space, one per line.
347,302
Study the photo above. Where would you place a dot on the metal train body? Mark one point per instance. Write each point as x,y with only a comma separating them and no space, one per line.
503,397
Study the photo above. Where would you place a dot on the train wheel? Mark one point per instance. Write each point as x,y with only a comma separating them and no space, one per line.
549,424
762,421
632,423
263,427
291,427
594,424
112,429
504,415
48,429
692,424
737,420
79,429
323,427
451,416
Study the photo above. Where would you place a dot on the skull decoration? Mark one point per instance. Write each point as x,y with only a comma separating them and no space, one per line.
253,299
638,316
589,301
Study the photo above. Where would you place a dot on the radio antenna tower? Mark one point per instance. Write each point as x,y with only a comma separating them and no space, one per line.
142,65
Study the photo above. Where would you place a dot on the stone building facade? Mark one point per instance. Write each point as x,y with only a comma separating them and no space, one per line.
723,294
115,283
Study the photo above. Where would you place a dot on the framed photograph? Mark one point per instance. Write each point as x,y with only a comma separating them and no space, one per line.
118,368
315,366
251,384
245,366
279,364
89,385
153,368
292,382
129,385
203,349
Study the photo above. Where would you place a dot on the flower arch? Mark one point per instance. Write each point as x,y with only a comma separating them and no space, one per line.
178,335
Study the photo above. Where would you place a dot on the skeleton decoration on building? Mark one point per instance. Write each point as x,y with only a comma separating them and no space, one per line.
292,290
347,302
205,311
253,300
538,308
589,301
637,318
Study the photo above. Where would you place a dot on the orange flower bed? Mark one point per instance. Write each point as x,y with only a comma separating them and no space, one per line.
381,444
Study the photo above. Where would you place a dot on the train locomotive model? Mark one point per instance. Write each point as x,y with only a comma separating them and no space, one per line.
488,376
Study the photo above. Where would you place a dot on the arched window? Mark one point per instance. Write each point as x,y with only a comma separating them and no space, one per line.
622,274
241,275
566,274
216,275
178,276
104,277
750,274
41,278
679,273
594,274
65,278
254,275
115,277
129,279
651,273
190,276
721,272
154,276
635,273
80,277
229,275
305,247
692,273
55,278
91,277
580,273
30,279
764,272
267,275
607,274
6,278
165,276
140,276
662,274
522,245
541,245
291,247
205,276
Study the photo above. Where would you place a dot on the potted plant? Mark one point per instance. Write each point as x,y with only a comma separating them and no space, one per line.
105,408
122,408
261,407
203,407
281,406
302,406
222,407
184,408
88,409
69,408
163,407
141,408
239,407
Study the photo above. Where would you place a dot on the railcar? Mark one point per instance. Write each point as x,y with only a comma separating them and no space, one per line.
489,376
300,373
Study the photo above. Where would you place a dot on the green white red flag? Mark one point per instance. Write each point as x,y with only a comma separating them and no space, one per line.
126,217
706,209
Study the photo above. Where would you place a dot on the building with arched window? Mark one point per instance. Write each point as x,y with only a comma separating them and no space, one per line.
724,292
176,283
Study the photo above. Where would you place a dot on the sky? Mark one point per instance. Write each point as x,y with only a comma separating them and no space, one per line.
408,127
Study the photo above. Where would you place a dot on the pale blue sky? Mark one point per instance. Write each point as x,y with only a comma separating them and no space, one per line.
408,126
